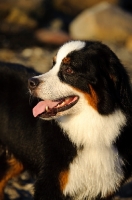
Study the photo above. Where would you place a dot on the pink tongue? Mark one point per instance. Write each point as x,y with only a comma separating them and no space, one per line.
40,107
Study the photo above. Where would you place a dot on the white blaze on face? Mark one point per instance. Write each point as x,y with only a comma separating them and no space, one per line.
65,50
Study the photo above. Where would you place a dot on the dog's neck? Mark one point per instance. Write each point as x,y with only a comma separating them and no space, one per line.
98,165
89,128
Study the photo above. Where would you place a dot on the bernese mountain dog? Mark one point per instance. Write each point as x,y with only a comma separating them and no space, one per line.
77,139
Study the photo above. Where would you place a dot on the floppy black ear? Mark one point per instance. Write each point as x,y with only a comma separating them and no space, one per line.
122,84
112,69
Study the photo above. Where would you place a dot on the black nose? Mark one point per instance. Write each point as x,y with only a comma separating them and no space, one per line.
33,83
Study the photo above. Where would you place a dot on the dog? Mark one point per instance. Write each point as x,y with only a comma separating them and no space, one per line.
76,136
16,121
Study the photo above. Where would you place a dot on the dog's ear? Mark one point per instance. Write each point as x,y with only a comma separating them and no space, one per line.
118,75
120,78
116,78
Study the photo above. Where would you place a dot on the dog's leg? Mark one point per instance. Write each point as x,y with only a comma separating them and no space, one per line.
9,168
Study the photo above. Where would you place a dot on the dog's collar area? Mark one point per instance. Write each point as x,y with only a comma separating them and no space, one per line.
49,108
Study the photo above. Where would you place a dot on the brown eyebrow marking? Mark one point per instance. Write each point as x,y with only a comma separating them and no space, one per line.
66,60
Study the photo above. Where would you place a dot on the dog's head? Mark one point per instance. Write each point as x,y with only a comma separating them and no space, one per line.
83,74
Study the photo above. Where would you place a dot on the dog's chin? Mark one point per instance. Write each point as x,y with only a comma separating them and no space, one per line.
63,107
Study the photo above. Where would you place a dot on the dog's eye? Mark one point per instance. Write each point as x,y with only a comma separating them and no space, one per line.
69,70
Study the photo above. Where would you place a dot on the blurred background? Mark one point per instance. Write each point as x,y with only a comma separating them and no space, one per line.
31,32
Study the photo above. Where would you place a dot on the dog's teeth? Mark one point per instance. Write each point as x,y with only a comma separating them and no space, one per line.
47,108
63,103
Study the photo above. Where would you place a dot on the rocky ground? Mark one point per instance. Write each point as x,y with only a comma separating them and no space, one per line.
21,188
22,41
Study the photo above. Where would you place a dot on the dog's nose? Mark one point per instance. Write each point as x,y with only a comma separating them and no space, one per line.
33,83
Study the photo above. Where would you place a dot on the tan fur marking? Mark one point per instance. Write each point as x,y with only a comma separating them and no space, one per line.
92,98
66,60
15,169
63,179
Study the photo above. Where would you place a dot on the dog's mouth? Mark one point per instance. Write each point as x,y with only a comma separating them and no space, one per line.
49,108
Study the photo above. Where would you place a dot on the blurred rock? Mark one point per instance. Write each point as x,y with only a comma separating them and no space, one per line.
26,5
17,20
102,22
17,15
54,37
129,43
19,188
36,57
74,7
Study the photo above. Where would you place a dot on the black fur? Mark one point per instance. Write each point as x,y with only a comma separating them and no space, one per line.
27,138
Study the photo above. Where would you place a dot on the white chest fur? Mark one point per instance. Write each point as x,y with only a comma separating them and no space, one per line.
94,171
97,169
